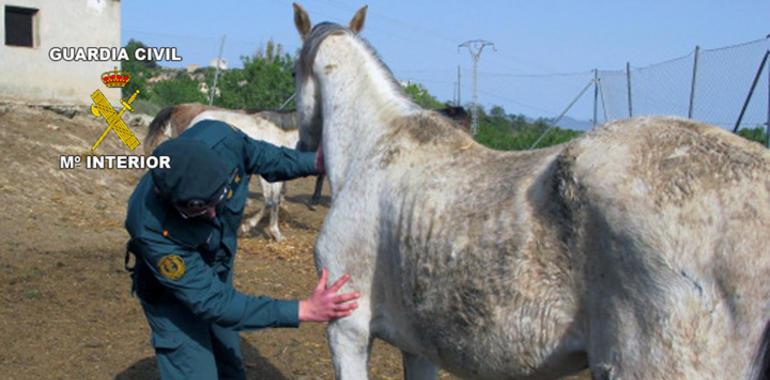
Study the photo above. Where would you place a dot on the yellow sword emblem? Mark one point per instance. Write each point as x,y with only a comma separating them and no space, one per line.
102,107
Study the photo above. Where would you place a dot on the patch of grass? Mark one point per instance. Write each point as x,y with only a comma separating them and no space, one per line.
30,274
32,294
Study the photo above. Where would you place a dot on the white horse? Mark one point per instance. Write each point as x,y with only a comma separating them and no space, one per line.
279,128
639,250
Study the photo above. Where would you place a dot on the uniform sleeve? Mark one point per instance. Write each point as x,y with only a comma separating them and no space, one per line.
276,163
196,285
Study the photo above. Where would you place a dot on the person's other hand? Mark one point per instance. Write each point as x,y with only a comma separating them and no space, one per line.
325,304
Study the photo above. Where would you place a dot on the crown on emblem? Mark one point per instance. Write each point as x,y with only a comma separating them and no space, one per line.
115,78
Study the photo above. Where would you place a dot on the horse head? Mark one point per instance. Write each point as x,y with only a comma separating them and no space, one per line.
308,92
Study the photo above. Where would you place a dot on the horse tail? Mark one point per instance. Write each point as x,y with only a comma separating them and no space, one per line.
762,360
157,127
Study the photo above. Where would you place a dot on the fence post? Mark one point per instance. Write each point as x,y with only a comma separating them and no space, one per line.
601,96
694,76
459,88
596,94
628,85
751,91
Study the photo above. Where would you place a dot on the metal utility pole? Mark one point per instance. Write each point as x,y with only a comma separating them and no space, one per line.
213,88
694,77
459,87
596,94
475,47
628,86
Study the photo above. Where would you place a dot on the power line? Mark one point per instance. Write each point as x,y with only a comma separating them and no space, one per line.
548,75
170,35
423,31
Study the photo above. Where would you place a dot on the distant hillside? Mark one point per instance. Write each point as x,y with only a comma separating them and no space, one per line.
567,122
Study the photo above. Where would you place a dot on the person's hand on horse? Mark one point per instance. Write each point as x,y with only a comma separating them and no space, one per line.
325,304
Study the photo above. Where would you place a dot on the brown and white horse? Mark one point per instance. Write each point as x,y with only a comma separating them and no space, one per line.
638,250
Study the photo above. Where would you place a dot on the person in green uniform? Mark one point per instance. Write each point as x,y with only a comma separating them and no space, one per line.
183,222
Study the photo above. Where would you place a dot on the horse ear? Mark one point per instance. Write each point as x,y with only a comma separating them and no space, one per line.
301,20
357,22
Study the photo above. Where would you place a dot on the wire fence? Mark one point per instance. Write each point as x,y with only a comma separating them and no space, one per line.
728,87
709,85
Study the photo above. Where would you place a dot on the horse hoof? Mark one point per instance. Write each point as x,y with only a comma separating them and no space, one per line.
275,234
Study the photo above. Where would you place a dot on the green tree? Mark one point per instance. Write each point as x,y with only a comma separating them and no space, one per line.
265,81
501,131
421,96
140,71
497,112
181,89
754,134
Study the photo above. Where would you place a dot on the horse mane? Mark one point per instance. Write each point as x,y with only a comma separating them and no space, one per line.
427,126
325,29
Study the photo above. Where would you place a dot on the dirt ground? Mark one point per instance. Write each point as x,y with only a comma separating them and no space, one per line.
67,312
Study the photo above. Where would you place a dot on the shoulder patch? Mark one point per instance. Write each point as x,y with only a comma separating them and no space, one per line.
171,267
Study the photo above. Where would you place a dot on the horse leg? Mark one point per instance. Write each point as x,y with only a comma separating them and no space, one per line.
342,248
272,195
252,222
273,229
282,196
417,367
319,185
350,344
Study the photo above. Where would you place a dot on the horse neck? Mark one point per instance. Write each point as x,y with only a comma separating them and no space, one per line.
359,101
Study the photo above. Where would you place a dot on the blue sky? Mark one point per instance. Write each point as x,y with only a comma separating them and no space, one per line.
418,39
